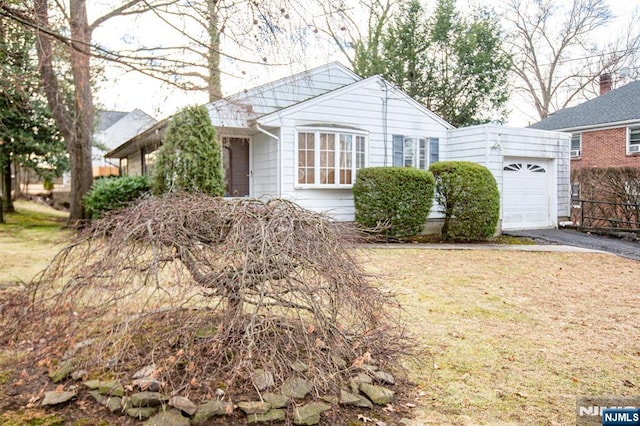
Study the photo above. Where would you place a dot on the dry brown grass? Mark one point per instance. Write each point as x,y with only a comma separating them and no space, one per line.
516,336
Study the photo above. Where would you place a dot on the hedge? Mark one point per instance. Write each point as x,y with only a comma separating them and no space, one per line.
469,196
112,193
393,201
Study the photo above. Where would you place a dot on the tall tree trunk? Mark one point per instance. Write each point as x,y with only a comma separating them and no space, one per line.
17,191
80,150
214,84
75,123
7,201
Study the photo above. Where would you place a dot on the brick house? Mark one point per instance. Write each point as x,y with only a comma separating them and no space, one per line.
605,131
605,136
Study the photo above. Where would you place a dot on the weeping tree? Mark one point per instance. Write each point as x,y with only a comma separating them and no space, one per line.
210,291
190,156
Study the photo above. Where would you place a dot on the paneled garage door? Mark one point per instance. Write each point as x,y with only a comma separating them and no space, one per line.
526,199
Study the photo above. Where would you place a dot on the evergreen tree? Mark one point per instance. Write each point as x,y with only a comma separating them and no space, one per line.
28,135
190,156
452,64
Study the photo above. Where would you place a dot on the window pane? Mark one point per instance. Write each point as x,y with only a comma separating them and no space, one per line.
575,142
346,158
409,157
359,152
398,143
422,153
327,158
634,137
434,150
306,170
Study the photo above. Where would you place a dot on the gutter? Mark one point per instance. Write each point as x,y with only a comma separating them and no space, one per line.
278,156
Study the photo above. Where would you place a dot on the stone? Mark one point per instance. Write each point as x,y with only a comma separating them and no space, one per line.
300,366
55,398
183,404
92,384
112,388
339,362
296,388
212,408
145,371
348,398
79,374
383,377
114,403
362,378
276,400
141,413
147,384
377,394
98,397
147,399
254,407
168,418
64,369
309,414
262,379
276,415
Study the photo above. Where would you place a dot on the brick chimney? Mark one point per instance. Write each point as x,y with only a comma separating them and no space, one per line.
605,83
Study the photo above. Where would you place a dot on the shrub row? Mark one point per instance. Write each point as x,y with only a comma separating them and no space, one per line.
396,201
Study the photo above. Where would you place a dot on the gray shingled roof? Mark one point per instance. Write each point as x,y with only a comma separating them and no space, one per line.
106,119
622,104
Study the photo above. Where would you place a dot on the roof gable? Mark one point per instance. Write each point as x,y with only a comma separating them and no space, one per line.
376,82
237,109
619,105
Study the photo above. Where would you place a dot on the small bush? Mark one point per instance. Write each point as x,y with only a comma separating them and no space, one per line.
468,194
393,200
113,193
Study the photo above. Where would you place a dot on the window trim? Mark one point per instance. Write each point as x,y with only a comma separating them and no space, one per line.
424,155
571,150
337,132
629,144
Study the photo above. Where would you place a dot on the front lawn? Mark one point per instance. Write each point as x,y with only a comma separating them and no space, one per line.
511,337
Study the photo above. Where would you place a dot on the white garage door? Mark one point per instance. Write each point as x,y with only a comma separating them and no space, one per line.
526,198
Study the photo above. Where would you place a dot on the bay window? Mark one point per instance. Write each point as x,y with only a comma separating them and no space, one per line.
329,158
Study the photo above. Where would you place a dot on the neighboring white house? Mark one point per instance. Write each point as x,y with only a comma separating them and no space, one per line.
112,129
305,137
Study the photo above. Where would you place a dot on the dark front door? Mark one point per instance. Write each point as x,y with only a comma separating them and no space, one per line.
236,166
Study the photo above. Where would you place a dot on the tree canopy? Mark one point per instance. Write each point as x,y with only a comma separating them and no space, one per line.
28,135
452,63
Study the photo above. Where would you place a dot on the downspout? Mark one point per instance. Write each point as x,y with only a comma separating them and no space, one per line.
278,157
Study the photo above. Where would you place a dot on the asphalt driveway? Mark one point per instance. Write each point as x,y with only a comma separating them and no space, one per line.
617,246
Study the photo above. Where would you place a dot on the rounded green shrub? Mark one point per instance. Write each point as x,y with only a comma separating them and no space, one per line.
112,193
394,201
469,196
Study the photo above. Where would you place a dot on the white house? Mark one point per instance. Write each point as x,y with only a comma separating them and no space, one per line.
306,136
112,129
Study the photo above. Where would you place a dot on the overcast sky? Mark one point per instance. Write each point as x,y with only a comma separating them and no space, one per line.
125,91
